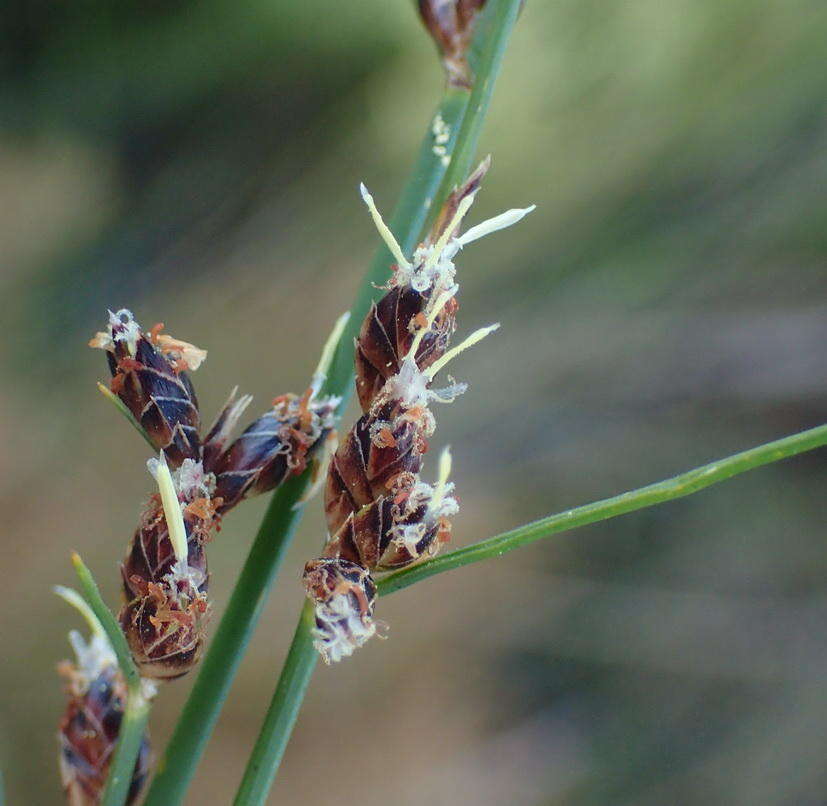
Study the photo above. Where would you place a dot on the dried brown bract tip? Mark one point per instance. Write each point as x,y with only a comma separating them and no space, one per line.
448,212
451,24
91,721
149,376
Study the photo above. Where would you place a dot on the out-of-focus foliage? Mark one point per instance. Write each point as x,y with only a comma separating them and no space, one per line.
664,305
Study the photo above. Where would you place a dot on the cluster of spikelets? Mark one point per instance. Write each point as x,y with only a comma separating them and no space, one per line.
164,573
381,515
165,577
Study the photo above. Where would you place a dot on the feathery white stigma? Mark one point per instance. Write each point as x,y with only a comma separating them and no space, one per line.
501,221
172,507
384,230
469,341
439,246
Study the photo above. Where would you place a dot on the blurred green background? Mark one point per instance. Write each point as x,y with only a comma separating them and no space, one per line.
665,305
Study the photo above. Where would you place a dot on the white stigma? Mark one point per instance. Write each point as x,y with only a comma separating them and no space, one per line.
92,656
439,246
469,341
501,221
382,227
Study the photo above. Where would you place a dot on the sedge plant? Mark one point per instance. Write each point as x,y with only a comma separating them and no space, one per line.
472,36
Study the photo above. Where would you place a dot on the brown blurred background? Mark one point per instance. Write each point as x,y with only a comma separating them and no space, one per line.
665,305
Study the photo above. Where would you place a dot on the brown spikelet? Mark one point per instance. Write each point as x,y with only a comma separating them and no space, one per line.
276,445
149,376
380,514
166,606
388,330
89,730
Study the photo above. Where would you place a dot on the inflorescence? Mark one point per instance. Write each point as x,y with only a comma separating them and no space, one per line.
381,515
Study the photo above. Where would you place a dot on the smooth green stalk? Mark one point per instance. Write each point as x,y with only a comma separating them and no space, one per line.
136,712
281,716
130,739
687,483
420,199
109,623
186,747
283,709
493,30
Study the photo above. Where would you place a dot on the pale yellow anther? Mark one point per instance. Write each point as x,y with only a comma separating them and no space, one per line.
73,598
384,231
470,341
441,485
172,510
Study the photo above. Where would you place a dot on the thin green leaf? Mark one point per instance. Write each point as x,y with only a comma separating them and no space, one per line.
687,483
93,597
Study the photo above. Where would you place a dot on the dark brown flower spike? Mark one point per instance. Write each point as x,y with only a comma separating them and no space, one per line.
149,376
380,514
165,573
89,727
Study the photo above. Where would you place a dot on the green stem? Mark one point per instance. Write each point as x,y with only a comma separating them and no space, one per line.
136,712
189,740
687,483
109,623
192,732
277,726
418,200
130,738
281,716
493,30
